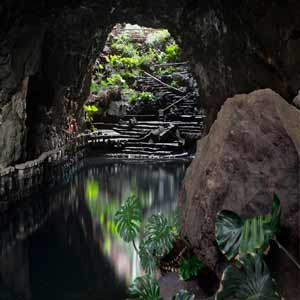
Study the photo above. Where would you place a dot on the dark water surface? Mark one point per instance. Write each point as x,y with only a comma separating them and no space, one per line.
63,245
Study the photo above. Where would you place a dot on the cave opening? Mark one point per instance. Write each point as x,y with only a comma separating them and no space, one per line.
143,98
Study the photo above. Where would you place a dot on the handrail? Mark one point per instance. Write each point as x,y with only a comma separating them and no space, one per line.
172,64
163,83
173,104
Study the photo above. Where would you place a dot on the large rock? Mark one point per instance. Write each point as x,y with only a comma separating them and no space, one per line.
251,151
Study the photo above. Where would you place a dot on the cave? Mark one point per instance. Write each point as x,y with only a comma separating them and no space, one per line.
243,57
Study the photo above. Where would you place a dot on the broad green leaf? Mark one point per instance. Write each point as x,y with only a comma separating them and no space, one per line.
183,295
148,261
229,227
189,267
159,235
128,219
250,282
236,236
144,288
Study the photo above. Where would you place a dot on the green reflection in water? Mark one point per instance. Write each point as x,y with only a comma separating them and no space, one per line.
103,213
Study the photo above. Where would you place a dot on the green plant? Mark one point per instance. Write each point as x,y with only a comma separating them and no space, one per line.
158,38
123,46
252,281
129,219
172,52
146,96
159,236
189,267
147,259
183,295
115,80
89,111
90,108
145,288
236,236
95,88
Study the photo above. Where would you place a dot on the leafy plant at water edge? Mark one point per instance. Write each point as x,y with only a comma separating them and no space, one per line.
145,288
189,267
250,282
159,236
236,236
147,259
128,219
183,295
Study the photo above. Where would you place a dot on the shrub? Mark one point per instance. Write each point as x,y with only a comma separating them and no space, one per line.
158,39
172,52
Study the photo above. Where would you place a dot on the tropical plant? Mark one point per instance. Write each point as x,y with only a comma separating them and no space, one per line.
159,236
189,267
144,288
236,236
183,295
129,219
252,281
147,259
95,88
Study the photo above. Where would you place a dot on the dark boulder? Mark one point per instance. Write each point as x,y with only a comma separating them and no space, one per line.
251,151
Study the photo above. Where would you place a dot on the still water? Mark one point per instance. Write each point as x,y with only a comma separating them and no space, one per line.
63,244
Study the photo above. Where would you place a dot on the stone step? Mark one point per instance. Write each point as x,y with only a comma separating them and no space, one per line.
146,156
154,145
147,152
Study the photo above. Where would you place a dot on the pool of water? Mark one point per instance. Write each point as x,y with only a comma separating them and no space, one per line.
63,244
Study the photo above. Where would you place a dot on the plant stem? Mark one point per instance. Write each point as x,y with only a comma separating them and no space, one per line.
287,254
135,247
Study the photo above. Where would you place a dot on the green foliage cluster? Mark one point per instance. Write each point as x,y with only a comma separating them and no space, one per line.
159,234
140,96
89,111
189,267
128,59
244,242
158,39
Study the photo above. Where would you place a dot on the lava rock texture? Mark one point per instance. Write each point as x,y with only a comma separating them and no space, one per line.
251,152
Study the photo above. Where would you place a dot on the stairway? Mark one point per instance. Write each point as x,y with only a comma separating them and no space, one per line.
170,132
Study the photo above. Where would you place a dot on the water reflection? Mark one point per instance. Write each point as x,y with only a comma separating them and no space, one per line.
108,184
64,245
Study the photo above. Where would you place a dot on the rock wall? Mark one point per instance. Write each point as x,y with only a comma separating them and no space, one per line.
251,152
47,49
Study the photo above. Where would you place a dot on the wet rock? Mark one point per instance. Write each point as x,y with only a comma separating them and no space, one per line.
12,127
170,284
251,151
